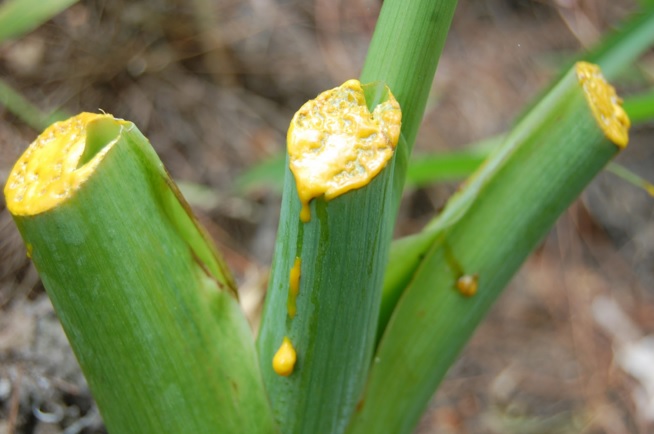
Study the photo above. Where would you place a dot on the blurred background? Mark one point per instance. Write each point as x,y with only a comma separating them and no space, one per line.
569,347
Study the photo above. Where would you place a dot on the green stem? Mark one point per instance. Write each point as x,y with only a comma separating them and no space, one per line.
621,48
333,326
145,300
486,231
343,249
404,53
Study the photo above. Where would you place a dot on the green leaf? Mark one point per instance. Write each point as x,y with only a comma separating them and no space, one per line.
630,177
25,110
449,166
640,107
269,175
621,48
18,17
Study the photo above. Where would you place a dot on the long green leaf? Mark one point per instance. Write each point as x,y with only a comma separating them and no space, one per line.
452,166
25,110
268,175
621,48
18,17
444,166
631,177
640,107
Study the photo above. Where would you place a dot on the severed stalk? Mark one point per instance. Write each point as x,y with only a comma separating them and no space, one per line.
318,327
146,301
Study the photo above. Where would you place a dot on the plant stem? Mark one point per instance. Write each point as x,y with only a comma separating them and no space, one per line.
343,248
145,300
404,53
483,235
329,314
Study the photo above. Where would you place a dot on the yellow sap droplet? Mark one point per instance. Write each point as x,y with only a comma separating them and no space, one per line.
284,360
30,249
293,288
47,173
604,103
336,145
467,285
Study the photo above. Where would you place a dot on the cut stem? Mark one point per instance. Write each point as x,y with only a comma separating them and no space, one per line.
145,300
483,235
323,298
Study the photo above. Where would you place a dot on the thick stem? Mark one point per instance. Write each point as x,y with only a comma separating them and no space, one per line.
145,301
